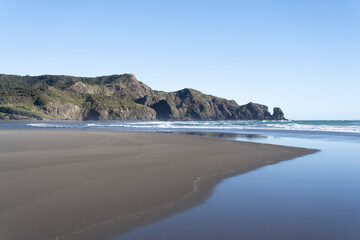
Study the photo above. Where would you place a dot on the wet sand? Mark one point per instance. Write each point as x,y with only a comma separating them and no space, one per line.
58,184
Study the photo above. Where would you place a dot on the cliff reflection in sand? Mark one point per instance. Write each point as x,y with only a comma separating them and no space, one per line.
223,135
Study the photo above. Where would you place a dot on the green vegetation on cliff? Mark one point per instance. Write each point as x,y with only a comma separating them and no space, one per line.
115,97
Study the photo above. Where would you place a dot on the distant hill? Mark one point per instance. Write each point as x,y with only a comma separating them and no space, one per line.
115,97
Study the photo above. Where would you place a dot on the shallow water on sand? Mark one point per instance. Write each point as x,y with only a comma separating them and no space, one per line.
312,197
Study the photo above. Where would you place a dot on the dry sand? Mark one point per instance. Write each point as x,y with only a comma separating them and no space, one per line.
57,184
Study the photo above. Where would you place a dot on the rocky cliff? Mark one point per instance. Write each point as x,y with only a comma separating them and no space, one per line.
115,97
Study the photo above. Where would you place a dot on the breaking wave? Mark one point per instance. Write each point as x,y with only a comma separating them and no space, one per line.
302,126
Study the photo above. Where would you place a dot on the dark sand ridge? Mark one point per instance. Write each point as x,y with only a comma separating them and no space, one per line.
57,184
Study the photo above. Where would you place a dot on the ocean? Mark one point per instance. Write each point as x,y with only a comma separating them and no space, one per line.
316,196
345,127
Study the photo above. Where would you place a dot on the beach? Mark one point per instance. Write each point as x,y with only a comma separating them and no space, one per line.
82,184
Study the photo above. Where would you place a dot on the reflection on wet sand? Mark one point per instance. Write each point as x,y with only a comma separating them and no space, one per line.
223,135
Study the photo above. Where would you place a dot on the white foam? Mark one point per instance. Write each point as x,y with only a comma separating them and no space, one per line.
212,125
50,125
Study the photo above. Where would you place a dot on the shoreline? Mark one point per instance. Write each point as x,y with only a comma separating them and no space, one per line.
78,184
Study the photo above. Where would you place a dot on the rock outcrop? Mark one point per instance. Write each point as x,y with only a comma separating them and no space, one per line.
65,111
80,87
116,97
190,104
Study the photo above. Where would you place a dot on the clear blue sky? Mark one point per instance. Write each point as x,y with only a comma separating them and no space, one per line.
300,55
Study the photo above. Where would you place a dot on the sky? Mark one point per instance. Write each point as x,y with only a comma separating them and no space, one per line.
300,55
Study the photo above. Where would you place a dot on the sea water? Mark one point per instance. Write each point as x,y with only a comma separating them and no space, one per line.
343,127
311,197
316,196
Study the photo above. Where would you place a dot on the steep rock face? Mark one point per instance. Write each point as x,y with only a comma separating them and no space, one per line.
254,111
189,104
80,87
278,114
115,97
163,110
108,108
66,111
130,86
140,114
